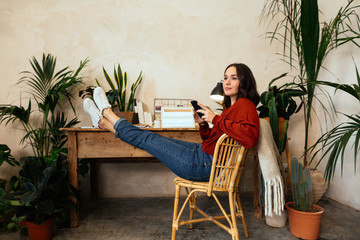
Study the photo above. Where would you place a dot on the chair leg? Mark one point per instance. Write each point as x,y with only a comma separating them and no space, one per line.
176,210
240,210
234,229
192,204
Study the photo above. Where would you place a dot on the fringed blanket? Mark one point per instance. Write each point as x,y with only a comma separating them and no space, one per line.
268,155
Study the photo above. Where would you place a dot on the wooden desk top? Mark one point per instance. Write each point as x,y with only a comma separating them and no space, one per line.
80,129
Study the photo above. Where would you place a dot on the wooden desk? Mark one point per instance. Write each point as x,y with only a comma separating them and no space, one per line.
99,143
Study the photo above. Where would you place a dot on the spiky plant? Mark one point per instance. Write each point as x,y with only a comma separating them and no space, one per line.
118,89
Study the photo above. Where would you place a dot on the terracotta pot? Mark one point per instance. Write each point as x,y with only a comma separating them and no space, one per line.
40,232
304,225
281,122
127,115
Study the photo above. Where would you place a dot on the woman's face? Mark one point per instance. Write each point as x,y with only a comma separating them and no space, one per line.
231,84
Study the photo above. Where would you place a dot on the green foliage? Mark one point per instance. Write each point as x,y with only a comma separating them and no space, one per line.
47,191
301,186
307,42
6,211
336,140
15,224
279,102
5,156
48,89
118,89
42,184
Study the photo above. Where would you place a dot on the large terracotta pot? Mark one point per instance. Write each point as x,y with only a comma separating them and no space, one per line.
40,232
304,225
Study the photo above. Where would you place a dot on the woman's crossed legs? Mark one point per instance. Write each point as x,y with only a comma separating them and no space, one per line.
185,159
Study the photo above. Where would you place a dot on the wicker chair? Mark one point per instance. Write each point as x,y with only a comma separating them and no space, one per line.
227,166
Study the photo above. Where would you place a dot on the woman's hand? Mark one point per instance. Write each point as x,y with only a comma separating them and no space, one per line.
197,119
208,114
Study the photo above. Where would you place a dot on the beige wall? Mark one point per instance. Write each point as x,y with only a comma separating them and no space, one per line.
182,47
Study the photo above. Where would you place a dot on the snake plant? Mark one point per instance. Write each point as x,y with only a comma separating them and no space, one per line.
118,89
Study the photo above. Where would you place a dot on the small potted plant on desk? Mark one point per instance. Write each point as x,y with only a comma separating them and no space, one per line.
121,106
304,216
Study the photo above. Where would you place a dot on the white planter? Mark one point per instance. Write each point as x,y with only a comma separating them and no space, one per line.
318,184
276,220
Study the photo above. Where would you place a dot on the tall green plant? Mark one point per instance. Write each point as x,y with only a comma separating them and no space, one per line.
334,142
307,42
118,91
48,89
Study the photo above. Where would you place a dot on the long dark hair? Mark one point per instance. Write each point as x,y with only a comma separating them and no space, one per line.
247,88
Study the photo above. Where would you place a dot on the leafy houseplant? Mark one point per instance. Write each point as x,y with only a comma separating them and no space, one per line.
46,193
5,208
44,174
5,156
118,89
278,102
304,216
307,42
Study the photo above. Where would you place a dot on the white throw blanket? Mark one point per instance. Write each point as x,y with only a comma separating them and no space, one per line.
268,155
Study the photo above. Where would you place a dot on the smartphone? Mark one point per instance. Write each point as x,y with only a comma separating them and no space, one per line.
194,103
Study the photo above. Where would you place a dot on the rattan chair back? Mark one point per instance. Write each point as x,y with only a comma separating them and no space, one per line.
227,166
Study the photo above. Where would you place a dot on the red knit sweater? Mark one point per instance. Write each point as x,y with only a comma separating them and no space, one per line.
240,121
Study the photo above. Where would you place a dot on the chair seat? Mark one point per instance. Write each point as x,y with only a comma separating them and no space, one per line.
197,185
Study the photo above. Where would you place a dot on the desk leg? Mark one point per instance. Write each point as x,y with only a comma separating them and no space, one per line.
94,179
257,209
73,175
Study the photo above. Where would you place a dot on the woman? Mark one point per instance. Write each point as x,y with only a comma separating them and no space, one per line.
189,160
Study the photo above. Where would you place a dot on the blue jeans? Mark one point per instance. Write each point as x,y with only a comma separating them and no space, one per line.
185,159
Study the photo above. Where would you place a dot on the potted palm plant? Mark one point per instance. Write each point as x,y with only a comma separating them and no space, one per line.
306,44
304,216
45,170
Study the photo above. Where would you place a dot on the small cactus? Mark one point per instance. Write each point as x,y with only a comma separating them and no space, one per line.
301,186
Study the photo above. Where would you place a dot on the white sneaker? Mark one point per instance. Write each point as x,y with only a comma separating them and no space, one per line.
101,99
93,111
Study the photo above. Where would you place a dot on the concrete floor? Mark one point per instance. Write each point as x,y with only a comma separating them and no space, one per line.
150,218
